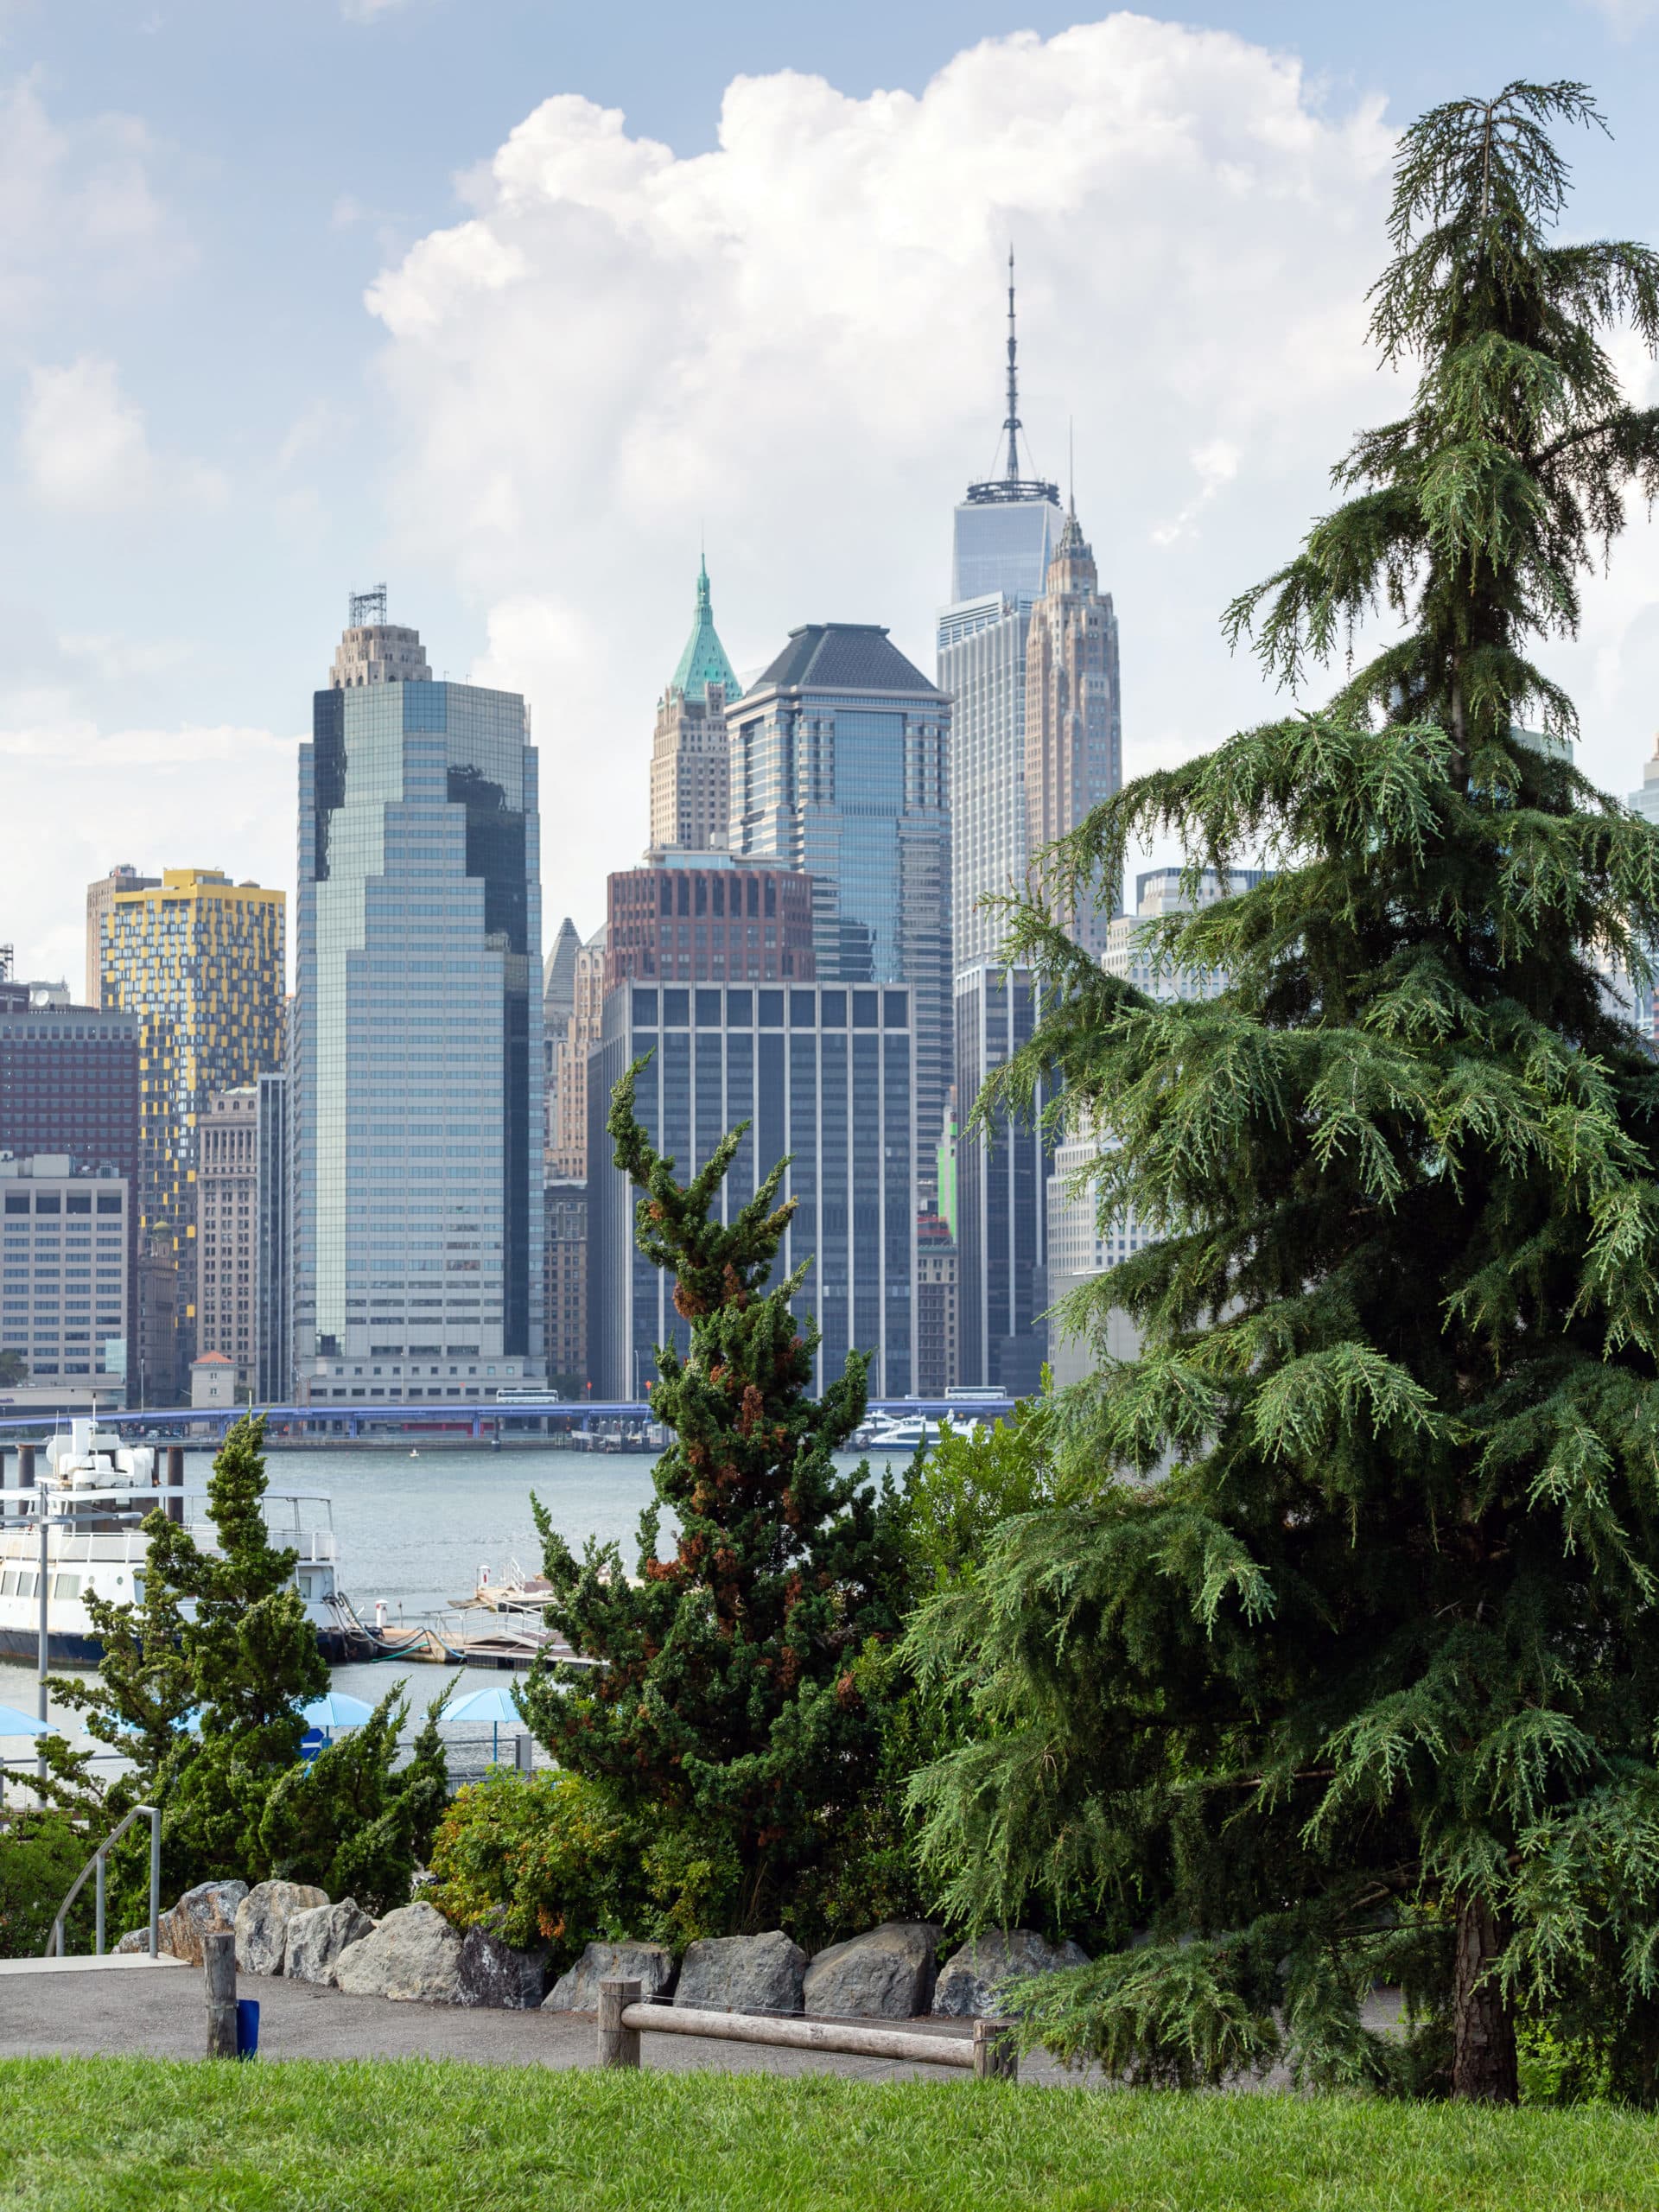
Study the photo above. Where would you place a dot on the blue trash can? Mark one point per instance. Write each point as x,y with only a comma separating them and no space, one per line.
247,2027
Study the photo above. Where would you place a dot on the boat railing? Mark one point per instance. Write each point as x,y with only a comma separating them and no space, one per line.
96,1864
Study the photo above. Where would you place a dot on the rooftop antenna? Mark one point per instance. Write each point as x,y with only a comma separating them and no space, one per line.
1013,425
1071,465
367,608
1011,485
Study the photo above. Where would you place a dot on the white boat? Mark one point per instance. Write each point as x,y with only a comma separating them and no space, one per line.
904,1432
95,1491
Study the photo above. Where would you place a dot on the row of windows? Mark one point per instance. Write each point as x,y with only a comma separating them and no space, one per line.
713,1009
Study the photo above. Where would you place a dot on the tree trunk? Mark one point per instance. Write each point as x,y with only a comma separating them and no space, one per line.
1483,2055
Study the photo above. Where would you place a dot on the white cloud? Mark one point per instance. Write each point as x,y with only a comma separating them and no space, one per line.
368,11
1623,17
83,446
794,341
79,212
191,796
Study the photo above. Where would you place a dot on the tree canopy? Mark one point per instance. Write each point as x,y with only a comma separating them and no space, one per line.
1363,1688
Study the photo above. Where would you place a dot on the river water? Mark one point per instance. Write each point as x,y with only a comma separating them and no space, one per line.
414,1531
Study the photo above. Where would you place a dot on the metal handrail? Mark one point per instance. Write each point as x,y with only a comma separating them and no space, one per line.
54,1940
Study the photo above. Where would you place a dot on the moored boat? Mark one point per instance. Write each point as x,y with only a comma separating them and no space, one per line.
95,1491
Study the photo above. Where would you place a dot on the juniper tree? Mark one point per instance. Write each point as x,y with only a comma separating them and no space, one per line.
726,1697
244,1661
1366,1688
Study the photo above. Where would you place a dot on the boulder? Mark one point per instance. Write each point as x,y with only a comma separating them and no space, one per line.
576,1990
209,1910
315,1940
743,1973
414,1955
887,1975
135,1939
493,1973
262,1921
970,1979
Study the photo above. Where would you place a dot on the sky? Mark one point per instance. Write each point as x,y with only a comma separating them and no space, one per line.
513,304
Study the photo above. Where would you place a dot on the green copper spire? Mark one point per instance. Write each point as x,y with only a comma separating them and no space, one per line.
703,662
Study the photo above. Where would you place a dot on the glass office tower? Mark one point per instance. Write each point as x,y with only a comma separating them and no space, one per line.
820,1073
1001,1182
839,768
415,1075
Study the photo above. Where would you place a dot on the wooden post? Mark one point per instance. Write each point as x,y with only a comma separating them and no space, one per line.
618,2046
218,1968
996,2057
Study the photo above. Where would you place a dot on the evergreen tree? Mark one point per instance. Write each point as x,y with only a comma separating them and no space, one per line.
350,1822
1364,1689
223,1634
726,1696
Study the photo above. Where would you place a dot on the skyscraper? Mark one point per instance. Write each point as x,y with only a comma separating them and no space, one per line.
1073,726
820,1073
1002,1225
273,1318
416,1071
568,1154
1080,1245
199,960
702,917
558,1000
228,1231
689,775
1002,545
100,898
840,769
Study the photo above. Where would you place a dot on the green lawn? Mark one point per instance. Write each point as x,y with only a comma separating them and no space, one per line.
414,2136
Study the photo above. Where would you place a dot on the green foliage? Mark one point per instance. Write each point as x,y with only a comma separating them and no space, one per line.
41,1853
224,1632
351,1822
555,1859
14,1369
727,1702
1335,1657
963,1487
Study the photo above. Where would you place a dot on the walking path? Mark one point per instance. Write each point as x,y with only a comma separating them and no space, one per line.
139,2010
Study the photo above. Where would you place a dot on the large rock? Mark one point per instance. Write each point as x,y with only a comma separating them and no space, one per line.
887,1975
493,1973
414,1955
209,1910
135,1939
970,1979
743,1973
576,1990
315,1940
262,1921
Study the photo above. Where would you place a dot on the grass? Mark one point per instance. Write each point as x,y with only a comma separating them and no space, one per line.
418,2136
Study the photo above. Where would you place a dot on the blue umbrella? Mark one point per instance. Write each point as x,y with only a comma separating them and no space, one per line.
335,1710
16,1723
190,1722
494,1705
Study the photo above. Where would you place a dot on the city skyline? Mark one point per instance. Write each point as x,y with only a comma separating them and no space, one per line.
183,502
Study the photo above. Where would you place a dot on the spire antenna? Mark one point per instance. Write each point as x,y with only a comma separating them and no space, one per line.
1071,464
1012,426
1011,487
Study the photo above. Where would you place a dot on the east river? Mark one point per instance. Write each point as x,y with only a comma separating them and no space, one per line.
414,1531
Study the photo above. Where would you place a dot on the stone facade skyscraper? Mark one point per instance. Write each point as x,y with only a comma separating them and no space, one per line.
690,780
1073,726
415,1068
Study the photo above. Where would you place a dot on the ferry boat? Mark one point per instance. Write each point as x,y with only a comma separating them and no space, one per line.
95,1491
